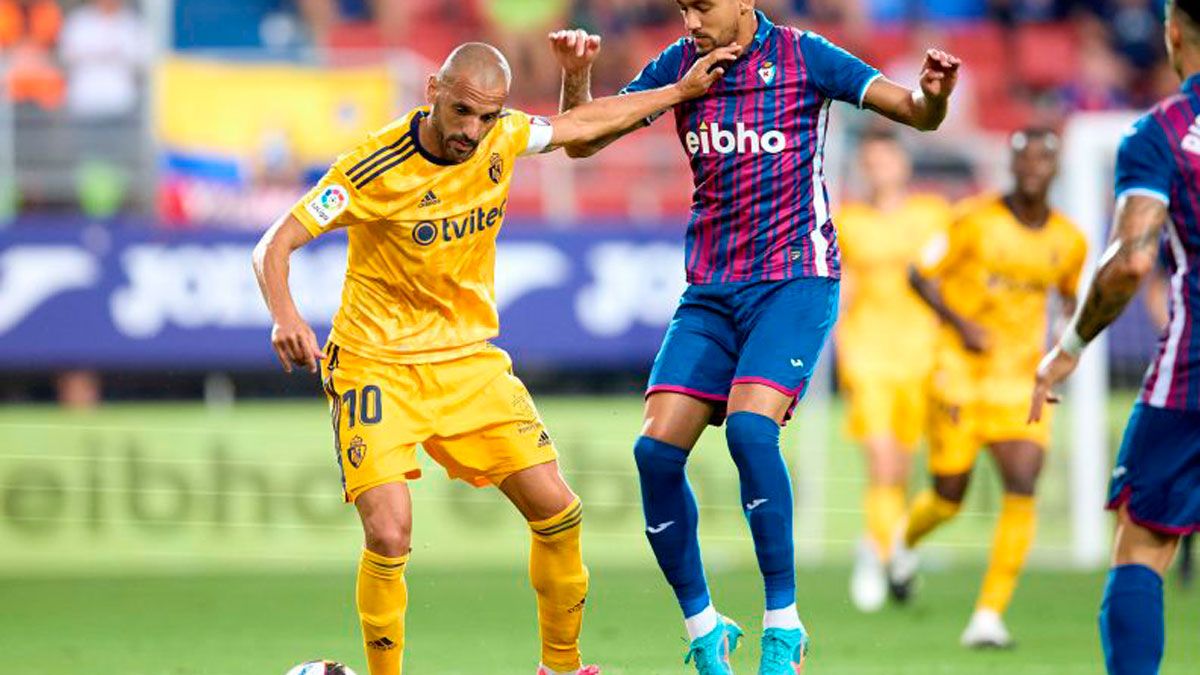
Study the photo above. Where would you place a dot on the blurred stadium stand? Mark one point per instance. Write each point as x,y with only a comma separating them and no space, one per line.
215,115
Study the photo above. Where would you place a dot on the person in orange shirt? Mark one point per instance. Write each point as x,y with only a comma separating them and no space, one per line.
409,359
885,340
990,279
28,31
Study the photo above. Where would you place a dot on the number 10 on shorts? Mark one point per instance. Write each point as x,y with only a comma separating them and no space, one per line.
367,402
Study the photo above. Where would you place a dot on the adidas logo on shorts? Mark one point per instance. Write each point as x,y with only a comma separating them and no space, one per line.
544,439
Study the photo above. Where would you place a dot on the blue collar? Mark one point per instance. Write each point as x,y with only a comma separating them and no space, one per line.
764,30
415,131
1191,84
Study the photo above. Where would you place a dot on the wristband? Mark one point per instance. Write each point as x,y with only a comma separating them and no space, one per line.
1071,343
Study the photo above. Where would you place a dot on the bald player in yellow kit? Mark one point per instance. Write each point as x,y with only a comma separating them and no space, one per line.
990,281
885,340
408,361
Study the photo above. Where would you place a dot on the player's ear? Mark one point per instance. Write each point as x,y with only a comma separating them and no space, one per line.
431,89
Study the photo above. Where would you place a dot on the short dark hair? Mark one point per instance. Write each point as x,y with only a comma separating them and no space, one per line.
1022,138
1190,8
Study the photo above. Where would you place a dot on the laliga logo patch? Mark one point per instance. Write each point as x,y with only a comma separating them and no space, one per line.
328,205
356,451
496,170
767,72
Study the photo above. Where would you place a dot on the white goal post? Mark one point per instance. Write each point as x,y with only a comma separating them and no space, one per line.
1090,146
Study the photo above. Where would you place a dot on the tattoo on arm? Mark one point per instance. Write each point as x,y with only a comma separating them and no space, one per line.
1130,257
576,90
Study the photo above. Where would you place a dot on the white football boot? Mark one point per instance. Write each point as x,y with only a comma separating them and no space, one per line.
868,583
902,568
986,631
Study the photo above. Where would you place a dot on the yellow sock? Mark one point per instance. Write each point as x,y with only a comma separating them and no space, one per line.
561,581
884,505
927,512
382,598
1014,537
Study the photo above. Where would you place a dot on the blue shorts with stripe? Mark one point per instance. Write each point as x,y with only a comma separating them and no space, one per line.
1157,476
763,332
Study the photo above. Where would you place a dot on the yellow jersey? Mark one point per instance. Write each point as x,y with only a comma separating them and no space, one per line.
422,232
998,273
886,330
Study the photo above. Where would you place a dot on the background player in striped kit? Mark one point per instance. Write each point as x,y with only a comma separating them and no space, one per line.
763,268
1155,487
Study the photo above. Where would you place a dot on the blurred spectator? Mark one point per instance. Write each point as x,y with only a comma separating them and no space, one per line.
28,31
1136,29
105,48
1100,84
520,29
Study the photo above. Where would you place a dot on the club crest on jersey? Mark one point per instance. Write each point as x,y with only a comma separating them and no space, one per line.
767,72
356,452
496,170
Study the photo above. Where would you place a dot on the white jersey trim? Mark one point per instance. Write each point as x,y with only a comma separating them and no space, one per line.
1144,192
1161,390
820,207
862,96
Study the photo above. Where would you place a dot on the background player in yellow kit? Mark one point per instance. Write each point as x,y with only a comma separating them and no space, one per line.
408,361
885,341
989,280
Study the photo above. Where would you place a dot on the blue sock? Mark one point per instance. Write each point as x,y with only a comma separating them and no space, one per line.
766,501
672,519
1131,621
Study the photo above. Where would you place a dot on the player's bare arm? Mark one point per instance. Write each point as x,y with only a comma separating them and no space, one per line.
1130,258
973,335
603,117
576,51
924,109
294,342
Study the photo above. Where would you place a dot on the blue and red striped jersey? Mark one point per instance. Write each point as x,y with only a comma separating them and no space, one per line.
1160,158
756,143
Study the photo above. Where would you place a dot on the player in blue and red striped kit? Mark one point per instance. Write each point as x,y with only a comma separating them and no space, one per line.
1155,487
763,269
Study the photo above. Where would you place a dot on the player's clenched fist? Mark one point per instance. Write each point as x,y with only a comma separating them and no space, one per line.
939,75
575,50
708,71
296,345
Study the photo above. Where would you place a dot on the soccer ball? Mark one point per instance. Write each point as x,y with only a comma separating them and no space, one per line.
321,668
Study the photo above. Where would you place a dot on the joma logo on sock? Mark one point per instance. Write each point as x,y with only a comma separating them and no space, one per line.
660,528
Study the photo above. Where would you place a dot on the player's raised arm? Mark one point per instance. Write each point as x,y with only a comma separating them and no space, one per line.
291,337
925,108
603,117
1130,258
576,51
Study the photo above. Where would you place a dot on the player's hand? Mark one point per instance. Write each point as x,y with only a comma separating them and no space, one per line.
708,71
575,50
939,74
1054,368
296,345
974,337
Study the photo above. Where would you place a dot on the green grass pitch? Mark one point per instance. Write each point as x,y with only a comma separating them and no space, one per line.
168,539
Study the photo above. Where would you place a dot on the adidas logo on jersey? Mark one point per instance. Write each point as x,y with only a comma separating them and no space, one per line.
713,139
429,199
